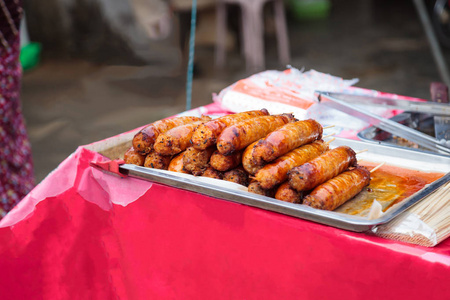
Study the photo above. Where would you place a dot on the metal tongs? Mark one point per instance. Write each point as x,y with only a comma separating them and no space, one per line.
346,103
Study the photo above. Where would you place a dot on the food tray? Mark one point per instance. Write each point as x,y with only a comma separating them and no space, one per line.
416,160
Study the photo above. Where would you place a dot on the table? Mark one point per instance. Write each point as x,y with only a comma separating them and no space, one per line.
72,237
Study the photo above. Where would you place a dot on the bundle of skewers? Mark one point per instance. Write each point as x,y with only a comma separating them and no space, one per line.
273,155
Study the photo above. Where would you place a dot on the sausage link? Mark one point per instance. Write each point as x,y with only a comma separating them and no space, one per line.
144,140
276,172
338,190
176,139
157,161
288,194
247,160
287,138
237,175
196,161
212,173
322,168
176,164
242,134
206,135
133,157
224,163
255,188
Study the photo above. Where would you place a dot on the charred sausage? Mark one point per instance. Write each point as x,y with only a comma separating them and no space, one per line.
242,134
322,168
133,157
176,139
196,161
206,135
338,190
247,160
255,188
212,173
276,172
176,164
287,138
157,161
237,175
224,163
144,140
288,194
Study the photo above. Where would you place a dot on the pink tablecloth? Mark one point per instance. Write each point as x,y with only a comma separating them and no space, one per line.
85,234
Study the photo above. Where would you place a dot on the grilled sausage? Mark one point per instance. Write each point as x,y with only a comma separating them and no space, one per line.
247,160
176,139
206,135
212,173
237,175
338,190
322,168
242,134
288,194
287,138
176,164
133,157
144,140
224,163
276,172
255,188
157,161
196,161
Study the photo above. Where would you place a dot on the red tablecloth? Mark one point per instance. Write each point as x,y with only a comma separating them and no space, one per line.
85,234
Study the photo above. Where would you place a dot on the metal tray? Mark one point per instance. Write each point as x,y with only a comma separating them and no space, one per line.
376,153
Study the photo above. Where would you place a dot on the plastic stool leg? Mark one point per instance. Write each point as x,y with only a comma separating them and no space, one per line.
282,33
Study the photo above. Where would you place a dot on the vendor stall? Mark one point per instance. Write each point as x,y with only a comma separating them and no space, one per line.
96,229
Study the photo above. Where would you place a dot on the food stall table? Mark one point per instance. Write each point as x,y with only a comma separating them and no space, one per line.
87,234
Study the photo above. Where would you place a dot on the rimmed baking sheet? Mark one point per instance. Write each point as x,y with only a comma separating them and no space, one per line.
415,160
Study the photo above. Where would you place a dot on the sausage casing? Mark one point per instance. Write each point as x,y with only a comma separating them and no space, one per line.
206,135
255,188
176,164
133,157
176,139
287,138
144,140
237,175
338,190
288,194
276,172
322,168
212,173
242,134
224,163
157,161
196,161
247,160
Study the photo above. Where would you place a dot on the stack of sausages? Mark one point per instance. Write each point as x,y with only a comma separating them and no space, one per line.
274,155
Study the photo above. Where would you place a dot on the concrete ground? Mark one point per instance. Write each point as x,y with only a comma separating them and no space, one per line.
71,103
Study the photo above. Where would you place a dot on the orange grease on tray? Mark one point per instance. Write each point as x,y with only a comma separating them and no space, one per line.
389,185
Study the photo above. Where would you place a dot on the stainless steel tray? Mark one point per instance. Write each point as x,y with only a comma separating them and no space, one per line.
376,153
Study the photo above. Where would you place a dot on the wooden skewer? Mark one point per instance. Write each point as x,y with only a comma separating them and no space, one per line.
329,126
377,167
326,136
330,141
361,151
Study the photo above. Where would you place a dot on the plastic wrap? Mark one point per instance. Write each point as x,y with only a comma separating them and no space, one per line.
426,224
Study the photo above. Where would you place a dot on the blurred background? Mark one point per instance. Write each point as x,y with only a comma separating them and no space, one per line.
97,68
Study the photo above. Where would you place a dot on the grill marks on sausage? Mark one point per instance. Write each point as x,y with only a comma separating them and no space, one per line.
206,135
322,168
338,190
